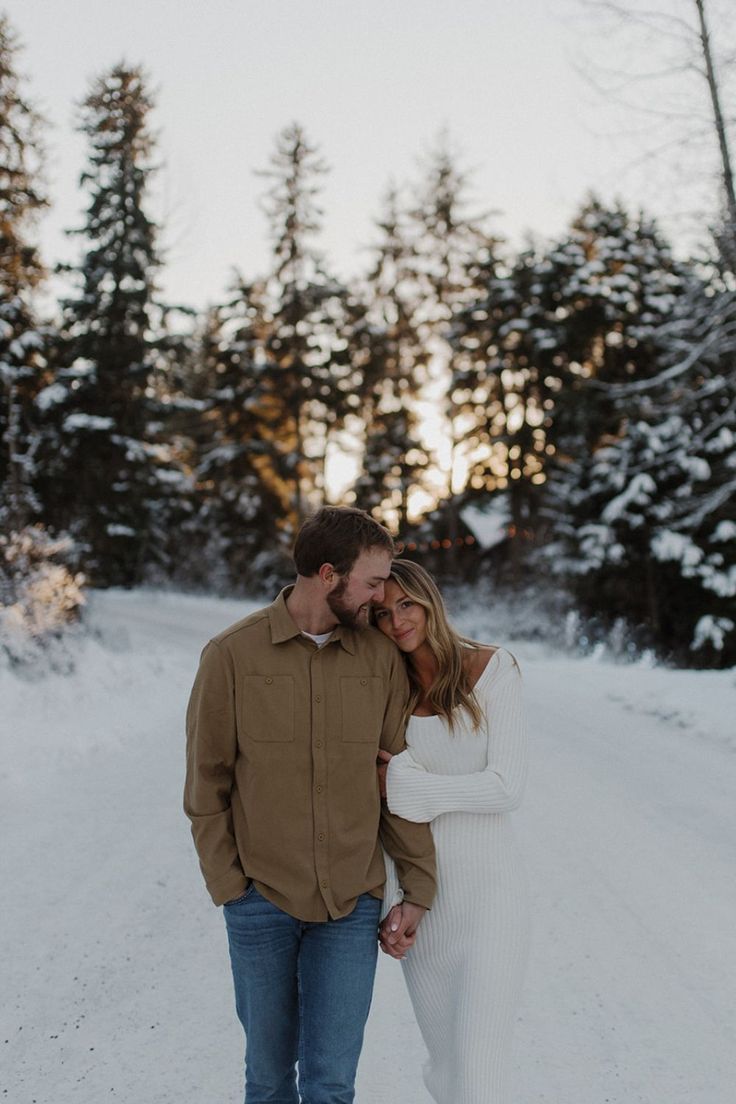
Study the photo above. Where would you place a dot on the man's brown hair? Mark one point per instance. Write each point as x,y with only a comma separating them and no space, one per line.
337,535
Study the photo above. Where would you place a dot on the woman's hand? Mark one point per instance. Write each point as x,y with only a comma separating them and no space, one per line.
384,758
398,932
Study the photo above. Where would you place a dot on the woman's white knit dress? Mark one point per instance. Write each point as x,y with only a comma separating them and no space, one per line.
465,972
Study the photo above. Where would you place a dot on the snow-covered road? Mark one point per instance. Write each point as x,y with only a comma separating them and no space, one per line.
115,980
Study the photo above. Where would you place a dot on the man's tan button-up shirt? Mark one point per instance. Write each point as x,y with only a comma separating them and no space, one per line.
281,783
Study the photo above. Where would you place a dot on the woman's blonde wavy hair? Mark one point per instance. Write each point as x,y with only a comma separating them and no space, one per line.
451,689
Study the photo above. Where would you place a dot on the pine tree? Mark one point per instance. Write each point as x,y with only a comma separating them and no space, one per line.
663,550
308,376
392,364
23,365
507,344
448,245
552,327
642,431
241,501
104,481
617,282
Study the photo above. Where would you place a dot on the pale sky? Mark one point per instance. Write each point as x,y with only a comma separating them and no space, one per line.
372,82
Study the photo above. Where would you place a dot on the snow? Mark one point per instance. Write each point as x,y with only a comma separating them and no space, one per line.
489,526
724,531
51,396
113,529
115,972
92,422
712,630
695,466
638,493
82,368
29,339
676,546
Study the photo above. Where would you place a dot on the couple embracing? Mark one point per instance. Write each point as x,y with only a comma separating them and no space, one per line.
346,720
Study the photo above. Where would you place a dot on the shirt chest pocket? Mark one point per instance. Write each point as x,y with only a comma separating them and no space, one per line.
267,710
362,702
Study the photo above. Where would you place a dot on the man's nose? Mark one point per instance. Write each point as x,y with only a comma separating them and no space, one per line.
379,593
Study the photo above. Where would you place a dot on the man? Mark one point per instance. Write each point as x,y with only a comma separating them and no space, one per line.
288,711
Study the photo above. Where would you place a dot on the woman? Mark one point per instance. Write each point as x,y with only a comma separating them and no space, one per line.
463,771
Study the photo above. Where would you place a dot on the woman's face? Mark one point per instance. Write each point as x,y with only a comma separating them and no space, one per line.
401,619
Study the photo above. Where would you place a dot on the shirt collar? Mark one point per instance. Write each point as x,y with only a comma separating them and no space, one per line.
283,626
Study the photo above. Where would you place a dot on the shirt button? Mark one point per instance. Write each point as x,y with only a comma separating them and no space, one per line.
364,682
323,884
319,789
318,698
318,743
269,681
321,836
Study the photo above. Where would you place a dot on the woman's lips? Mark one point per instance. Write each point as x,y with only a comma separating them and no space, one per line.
400,636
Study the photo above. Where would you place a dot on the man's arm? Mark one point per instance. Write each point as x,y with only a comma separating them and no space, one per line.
211,753
409,845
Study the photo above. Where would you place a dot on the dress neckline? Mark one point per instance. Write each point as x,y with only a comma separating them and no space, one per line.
476,684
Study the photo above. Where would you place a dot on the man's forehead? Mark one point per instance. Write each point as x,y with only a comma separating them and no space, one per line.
374,563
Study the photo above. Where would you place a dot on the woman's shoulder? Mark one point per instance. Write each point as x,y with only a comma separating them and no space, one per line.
488,662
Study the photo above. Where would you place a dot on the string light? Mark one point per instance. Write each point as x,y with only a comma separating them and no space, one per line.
460,542
434,545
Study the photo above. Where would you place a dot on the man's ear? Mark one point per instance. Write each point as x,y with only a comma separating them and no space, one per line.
327,573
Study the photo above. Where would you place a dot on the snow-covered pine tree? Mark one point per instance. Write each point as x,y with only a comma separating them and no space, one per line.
308,377
664,548
507,344
169,408
619,285
618,282
103,482
39,595
23,341
234,538
393,365
448,243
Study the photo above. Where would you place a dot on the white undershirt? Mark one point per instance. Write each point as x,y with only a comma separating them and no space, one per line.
320,639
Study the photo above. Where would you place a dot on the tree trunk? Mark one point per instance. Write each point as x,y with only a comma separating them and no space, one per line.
728,177
16,487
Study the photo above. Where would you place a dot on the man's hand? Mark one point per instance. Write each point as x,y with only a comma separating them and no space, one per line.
398,931
384,758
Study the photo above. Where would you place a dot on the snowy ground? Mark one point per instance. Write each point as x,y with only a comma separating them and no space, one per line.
115,980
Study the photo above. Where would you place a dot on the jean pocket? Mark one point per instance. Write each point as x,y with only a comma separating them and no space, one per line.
242,897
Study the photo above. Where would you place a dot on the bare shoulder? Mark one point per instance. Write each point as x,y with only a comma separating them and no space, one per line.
478,660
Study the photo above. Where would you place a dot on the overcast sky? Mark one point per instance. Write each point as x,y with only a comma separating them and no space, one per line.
373,82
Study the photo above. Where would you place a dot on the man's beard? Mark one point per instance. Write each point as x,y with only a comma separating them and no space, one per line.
350,618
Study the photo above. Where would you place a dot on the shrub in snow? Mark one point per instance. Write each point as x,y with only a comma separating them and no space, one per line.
499,614
712,632
40,597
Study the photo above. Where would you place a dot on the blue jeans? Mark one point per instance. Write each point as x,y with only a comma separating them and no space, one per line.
302,993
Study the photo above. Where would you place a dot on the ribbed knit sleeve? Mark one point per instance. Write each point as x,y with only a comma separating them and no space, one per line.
416,794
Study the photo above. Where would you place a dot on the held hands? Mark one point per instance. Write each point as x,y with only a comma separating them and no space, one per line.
398,931
384,758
